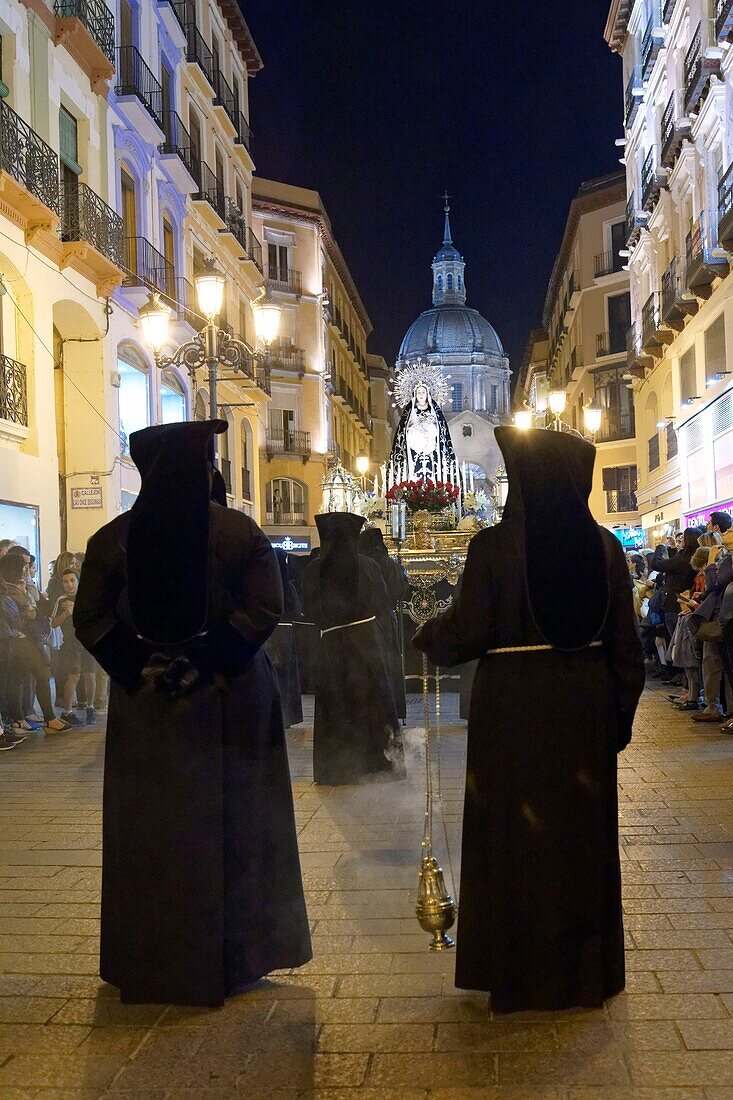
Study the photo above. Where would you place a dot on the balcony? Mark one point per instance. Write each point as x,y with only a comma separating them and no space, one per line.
674,132
725,209
653,336
139,95
699,68
575,364
177,155
635,221
199,53
652,181
86,28
175,15
704,264
280,518
244,133
677,300
634,95
607,263
264,378
211,191
724,20
671,442
237,228
620,500
285,442
226,473
148,269
13,394
29,174
185,304
651,42
246,483
286,357
286,280
93,238
653,452
224,98
616,424
668,11
613,342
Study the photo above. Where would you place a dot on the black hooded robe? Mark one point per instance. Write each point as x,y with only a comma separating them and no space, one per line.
371,545
201,885
540,921
280,648
356,726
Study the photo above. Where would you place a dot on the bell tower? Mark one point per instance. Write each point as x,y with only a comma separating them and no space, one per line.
449,288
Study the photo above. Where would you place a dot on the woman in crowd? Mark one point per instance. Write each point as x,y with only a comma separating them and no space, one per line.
685,650
678,576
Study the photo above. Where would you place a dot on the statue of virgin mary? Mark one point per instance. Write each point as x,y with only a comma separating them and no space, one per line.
422,449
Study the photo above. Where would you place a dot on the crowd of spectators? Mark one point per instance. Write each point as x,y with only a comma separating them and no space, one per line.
683,593
43,667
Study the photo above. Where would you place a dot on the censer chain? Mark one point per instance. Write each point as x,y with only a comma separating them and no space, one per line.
438,731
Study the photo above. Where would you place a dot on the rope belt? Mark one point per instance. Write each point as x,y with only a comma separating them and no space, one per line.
534,648
345,626
301,622
284,624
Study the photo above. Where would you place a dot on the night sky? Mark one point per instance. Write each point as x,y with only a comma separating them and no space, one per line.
380,106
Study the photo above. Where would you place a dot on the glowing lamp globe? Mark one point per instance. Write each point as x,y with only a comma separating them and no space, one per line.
267,318
557,401
523,419
592,416
210,290
362,463
154,320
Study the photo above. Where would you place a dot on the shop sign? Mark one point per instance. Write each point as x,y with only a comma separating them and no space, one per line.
87,498
629,537
669,514
700,518
292,545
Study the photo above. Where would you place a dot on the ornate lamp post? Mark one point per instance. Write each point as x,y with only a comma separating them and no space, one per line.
592,417
212,347
362,466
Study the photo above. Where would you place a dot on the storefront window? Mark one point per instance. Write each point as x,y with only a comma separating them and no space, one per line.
723,451
19,522
696,479
134,399
172,399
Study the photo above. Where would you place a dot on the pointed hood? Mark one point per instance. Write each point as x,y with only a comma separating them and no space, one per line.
168,537
339,565
565,567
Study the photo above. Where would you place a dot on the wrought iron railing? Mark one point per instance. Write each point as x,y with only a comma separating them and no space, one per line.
620,500
650,318
86,217
293,517
185,304
606,263
723,17
96,17
287,357
649,182
134,77
668,128
264,378
254,249
725,194
224,96
147,267
653,450
673,285
634,347
612,342
616,423
284,278
244,132
693,65
288,442
26,157
211,190
13,391
178,141
668,10
702,240
648,52
633,95
199,52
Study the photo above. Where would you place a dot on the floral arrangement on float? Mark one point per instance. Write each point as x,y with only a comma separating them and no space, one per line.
424,496
477,511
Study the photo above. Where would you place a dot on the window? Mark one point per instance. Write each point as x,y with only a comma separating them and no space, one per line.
715,348
172,398
688,385
129,205
165,84
194,129
619,485
615,399
134,396
467,431
169,252
219,172
216,52
494,406
449,282
456,392
618,241
439,283
285,501
127,24
19,522
619,321
277,260
246,477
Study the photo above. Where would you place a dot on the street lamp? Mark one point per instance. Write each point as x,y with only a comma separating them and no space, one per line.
501,490
212,347
592,417
267,317
362,466
523,419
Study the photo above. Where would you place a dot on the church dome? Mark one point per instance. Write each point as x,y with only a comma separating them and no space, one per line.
450,330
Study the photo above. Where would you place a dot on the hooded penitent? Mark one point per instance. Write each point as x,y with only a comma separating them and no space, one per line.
281,648
545,607
201,887
372,545
356,725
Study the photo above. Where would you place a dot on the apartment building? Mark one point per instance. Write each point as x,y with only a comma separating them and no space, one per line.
319,372
678,154
586,319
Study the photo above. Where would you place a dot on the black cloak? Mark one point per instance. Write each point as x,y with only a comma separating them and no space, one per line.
356,726
201,885
409,465
540,921
280,648
371,545
306,633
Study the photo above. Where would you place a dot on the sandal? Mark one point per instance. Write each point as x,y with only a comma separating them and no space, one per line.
48,728
25,726
689,705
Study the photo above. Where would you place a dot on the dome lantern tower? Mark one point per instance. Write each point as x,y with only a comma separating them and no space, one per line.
448,270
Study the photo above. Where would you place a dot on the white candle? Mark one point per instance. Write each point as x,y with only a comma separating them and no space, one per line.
470,472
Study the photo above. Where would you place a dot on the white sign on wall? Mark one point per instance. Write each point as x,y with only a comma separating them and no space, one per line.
87,498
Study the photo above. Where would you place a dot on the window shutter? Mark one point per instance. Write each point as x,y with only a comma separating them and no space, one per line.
610,479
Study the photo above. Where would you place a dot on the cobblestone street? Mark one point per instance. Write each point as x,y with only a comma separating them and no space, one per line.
375,1015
